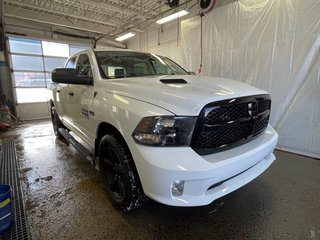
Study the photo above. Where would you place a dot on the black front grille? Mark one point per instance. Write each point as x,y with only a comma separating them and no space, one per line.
259,126
226,113
222,136
226,123
264,105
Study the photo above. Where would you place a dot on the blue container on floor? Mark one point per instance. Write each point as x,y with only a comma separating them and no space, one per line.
6,214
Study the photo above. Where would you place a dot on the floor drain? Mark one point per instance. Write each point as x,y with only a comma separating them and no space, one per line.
9,175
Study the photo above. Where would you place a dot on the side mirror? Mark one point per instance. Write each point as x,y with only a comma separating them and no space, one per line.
191,73
70,76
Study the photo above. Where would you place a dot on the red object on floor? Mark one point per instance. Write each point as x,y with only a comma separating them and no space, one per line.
4,126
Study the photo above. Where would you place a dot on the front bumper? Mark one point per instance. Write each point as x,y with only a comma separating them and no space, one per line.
206,177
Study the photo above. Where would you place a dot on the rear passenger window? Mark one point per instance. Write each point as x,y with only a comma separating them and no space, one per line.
83,65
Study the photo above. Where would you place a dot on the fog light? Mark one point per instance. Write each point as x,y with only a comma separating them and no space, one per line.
177,188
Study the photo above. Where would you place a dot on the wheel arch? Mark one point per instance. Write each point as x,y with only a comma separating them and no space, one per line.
106,128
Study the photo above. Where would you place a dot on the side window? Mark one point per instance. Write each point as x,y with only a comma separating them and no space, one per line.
160,67
71,63
83,65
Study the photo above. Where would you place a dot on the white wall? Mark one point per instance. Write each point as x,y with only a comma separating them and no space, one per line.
164,41
30,111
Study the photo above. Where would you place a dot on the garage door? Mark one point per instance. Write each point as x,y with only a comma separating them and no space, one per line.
32,61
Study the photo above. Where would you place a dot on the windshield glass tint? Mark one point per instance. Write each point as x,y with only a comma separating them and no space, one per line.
133,64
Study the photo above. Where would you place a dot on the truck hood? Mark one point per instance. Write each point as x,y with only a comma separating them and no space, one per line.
185,99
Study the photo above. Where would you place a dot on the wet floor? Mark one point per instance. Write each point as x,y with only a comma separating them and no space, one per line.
65,199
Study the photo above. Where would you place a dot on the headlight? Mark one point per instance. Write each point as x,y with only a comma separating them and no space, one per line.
165,131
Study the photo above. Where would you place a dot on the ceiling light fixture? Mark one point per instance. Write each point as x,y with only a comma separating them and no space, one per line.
125,36
172,16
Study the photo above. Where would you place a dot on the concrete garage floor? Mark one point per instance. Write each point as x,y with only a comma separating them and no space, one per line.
65,199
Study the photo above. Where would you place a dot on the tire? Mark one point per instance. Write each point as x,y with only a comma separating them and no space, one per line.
119,175
56,123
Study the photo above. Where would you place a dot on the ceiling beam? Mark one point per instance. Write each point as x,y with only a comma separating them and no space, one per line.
113,7
23,26
47,10
54,20
52,23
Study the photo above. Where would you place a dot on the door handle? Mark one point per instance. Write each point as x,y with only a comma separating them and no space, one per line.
70,94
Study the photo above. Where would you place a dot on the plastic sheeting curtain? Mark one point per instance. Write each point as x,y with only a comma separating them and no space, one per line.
273,45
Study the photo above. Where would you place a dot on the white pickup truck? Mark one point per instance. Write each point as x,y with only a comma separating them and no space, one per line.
158,131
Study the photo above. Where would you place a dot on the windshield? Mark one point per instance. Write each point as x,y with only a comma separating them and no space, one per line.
134,64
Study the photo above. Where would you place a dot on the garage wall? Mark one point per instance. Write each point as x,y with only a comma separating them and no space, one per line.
271,44
163,40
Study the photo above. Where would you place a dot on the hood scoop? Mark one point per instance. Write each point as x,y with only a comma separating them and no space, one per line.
173,81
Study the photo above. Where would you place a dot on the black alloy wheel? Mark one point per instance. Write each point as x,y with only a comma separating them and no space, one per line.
119,175
114,173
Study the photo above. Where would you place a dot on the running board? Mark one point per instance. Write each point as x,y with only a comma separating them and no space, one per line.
80,148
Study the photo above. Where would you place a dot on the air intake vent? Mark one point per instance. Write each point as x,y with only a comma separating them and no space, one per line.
173,81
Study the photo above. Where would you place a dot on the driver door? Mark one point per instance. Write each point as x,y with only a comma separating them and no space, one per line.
82,96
